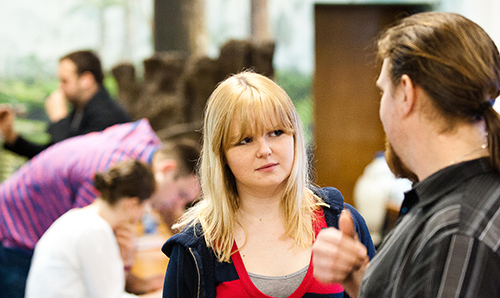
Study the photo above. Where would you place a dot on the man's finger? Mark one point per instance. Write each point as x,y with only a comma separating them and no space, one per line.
346,224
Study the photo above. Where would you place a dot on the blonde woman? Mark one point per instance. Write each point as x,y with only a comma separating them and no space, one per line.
251,233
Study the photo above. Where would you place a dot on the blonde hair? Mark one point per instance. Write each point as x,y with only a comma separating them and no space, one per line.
259,104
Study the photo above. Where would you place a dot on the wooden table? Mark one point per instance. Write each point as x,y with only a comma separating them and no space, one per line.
149,259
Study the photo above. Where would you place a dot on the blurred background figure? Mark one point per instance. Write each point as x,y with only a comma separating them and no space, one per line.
80,86
377,192
78,256
61,178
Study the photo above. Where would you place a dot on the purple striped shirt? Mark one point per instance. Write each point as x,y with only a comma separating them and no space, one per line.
61,178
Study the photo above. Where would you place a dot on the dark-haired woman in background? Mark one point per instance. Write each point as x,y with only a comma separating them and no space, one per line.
79,256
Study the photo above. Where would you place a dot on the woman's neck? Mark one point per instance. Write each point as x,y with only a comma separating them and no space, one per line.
259,203
259,214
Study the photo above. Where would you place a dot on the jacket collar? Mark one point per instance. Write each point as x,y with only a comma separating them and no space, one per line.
192,236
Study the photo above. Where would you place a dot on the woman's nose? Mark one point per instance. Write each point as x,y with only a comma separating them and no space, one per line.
264,150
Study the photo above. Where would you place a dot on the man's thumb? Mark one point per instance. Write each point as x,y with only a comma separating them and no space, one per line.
346,224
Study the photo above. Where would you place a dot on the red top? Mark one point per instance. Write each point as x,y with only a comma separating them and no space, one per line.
243,287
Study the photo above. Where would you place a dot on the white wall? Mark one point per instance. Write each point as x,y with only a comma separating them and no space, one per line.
484,12
291,24
49,29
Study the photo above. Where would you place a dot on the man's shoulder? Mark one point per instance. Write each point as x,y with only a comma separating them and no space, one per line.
107,108
104,106
472,210
480,214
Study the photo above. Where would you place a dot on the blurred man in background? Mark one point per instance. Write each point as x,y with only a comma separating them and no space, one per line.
81,86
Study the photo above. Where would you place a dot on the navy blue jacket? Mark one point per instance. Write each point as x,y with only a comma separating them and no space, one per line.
191,269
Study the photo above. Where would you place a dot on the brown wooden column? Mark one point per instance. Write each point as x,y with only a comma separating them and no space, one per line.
259,24
348,131
179,25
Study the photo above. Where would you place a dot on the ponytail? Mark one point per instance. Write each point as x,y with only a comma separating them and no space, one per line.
492,120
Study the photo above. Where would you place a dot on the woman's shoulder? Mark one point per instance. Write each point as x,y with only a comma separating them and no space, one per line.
190,236
330,195
335,205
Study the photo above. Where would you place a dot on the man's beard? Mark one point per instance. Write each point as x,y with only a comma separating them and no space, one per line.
396,165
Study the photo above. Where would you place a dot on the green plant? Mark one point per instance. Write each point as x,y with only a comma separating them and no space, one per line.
299,86
31,97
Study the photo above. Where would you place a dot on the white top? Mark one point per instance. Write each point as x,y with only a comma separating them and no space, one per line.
78,256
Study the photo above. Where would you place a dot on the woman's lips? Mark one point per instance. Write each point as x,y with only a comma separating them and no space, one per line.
268,167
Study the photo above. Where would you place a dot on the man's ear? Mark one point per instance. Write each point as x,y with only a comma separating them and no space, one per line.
409,93
87,79
167,165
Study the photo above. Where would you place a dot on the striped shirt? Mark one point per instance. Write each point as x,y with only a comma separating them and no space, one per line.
446,243
61,178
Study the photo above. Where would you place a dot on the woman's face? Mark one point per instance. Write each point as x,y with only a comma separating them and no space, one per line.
135,210
261,161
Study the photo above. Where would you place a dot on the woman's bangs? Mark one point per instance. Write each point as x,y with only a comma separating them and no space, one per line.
255,114
267,115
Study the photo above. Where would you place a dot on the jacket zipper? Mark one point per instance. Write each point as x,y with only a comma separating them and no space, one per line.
197,270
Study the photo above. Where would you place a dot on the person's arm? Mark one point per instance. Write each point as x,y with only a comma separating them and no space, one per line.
139,286
126,238
12,140
25,148
57,111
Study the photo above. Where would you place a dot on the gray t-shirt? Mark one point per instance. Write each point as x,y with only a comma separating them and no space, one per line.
279,286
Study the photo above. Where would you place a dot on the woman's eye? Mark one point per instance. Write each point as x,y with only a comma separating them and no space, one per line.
245,141
277,133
